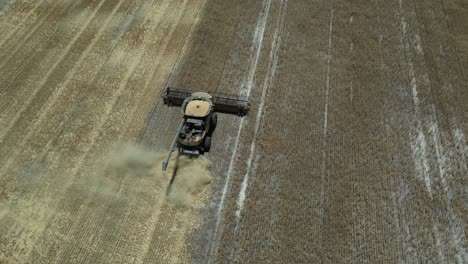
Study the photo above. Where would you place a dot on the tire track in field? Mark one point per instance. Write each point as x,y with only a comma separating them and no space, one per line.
256,48
443,75
427,125
399,222
395,34
246,88
233,77
418,144
268,82
325,113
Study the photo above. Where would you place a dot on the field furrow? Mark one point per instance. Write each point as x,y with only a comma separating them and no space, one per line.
354,149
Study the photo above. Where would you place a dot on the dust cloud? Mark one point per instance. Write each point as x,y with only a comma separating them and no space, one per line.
191,177
124,170
130,169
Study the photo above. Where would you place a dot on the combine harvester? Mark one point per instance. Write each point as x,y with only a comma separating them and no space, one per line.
194,134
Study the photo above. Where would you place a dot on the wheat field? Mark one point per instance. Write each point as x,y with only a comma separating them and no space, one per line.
354,150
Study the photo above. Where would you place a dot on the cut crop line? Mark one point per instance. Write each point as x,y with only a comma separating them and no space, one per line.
244,91
418,141
456,226
456,229
267,83
214,233
461,144
256,47
419,145
445,165
325,114
399,222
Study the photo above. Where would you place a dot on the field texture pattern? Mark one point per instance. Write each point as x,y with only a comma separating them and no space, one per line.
354,151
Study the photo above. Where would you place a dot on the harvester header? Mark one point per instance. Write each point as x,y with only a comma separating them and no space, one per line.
222,103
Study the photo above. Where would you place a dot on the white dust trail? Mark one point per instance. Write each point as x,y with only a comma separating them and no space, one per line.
256,48
325,113
429,123
267,83
245,91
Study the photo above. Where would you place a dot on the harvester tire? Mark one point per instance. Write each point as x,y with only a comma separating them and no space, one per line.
214,121
207,144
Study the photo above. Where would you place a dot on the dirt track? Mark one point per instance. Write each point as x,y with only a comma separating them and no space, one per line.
355,149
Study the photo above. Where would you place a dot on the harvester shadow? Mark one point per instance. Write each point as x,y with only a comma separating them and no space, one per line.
169,187
176,169
174,173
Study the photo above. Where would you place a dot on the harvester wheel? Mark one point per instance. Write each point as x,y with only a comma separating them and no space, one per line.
214,121
207,144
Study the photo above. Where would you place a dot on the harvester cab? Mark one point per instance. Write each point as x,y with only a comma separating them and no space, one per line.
200,122
199,119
